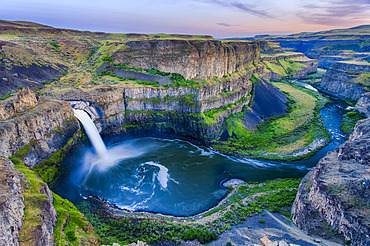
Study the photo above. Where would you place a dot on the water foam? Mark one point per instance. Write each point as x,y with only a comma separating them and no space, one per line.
162,175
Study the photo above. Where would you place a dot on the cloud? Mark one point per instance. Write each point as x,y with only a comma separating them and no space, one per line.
336,12
249,8
226,24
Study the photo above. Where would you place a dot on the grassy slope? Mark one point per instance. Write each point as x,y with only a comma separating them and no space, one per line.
283,135
285,67
242,202
71,227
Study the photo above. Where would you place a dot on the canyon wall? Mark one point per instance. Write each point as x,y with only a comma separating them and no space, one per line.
202,59
39,130
11,203
346,80
178,111
334,195
363,104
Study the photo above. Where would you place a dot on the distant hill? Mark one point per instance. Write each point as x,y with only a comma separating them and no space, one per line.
35,29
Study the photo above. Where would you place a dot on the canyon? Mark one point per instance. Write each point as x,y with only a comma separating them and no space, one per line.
219,79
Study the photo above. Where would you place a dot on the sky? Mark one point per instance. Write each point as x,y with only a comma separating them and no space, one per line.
219,18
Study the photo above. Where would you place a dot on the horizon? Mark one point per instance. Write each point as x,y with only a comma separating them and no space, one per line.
218,18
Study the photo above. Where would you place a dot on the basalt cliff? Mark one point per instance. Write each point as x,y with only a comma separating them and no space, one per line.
190,58
347,80
335,194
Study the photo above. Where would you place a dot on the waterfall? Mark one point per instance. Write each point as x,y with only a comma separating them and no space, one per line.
92,133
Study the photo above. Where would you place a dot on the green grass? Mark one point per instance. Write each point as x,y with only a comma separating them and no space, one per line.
71,227
55,45
251,199
33,201
363,79
125,230
285,134
349,121
285,67
6,96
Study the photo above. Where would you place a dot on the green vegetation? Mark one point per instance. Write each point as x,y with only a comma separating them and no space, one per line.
245,201
107,58
125,230
71,227
177,79
188,100
363,79
281,135
33,200
7,95
349,121
49,169
251,199
363,46
150,71
55,45
275,196
285,67
140,82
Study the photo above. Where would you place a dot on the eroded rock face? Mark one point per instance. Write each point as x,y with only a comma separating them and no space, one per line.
336,193
11,203
43,235
44,128
191,58
114,107
363,104
25,99
344,80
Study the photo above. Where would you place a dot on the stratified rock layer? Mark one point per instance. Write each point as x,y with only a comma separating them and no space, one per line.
45,128
363,104
344,80
191,58
335,194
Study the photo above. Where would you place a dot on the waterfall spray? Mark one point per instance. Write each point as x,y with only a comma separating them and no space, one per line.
92,133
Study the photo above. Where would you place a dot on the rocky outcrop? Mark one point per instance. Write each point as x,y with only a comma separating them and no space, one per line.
203,59
38,131
345,80
270,47
363,104
335,194
11,203
25,99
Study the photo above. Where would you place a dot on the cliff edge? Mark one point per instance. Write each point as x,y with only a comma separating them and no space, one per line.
333,198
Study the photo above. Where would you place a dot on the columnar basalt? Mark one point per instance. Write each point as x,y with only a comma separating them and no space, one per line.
191,58
346,80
